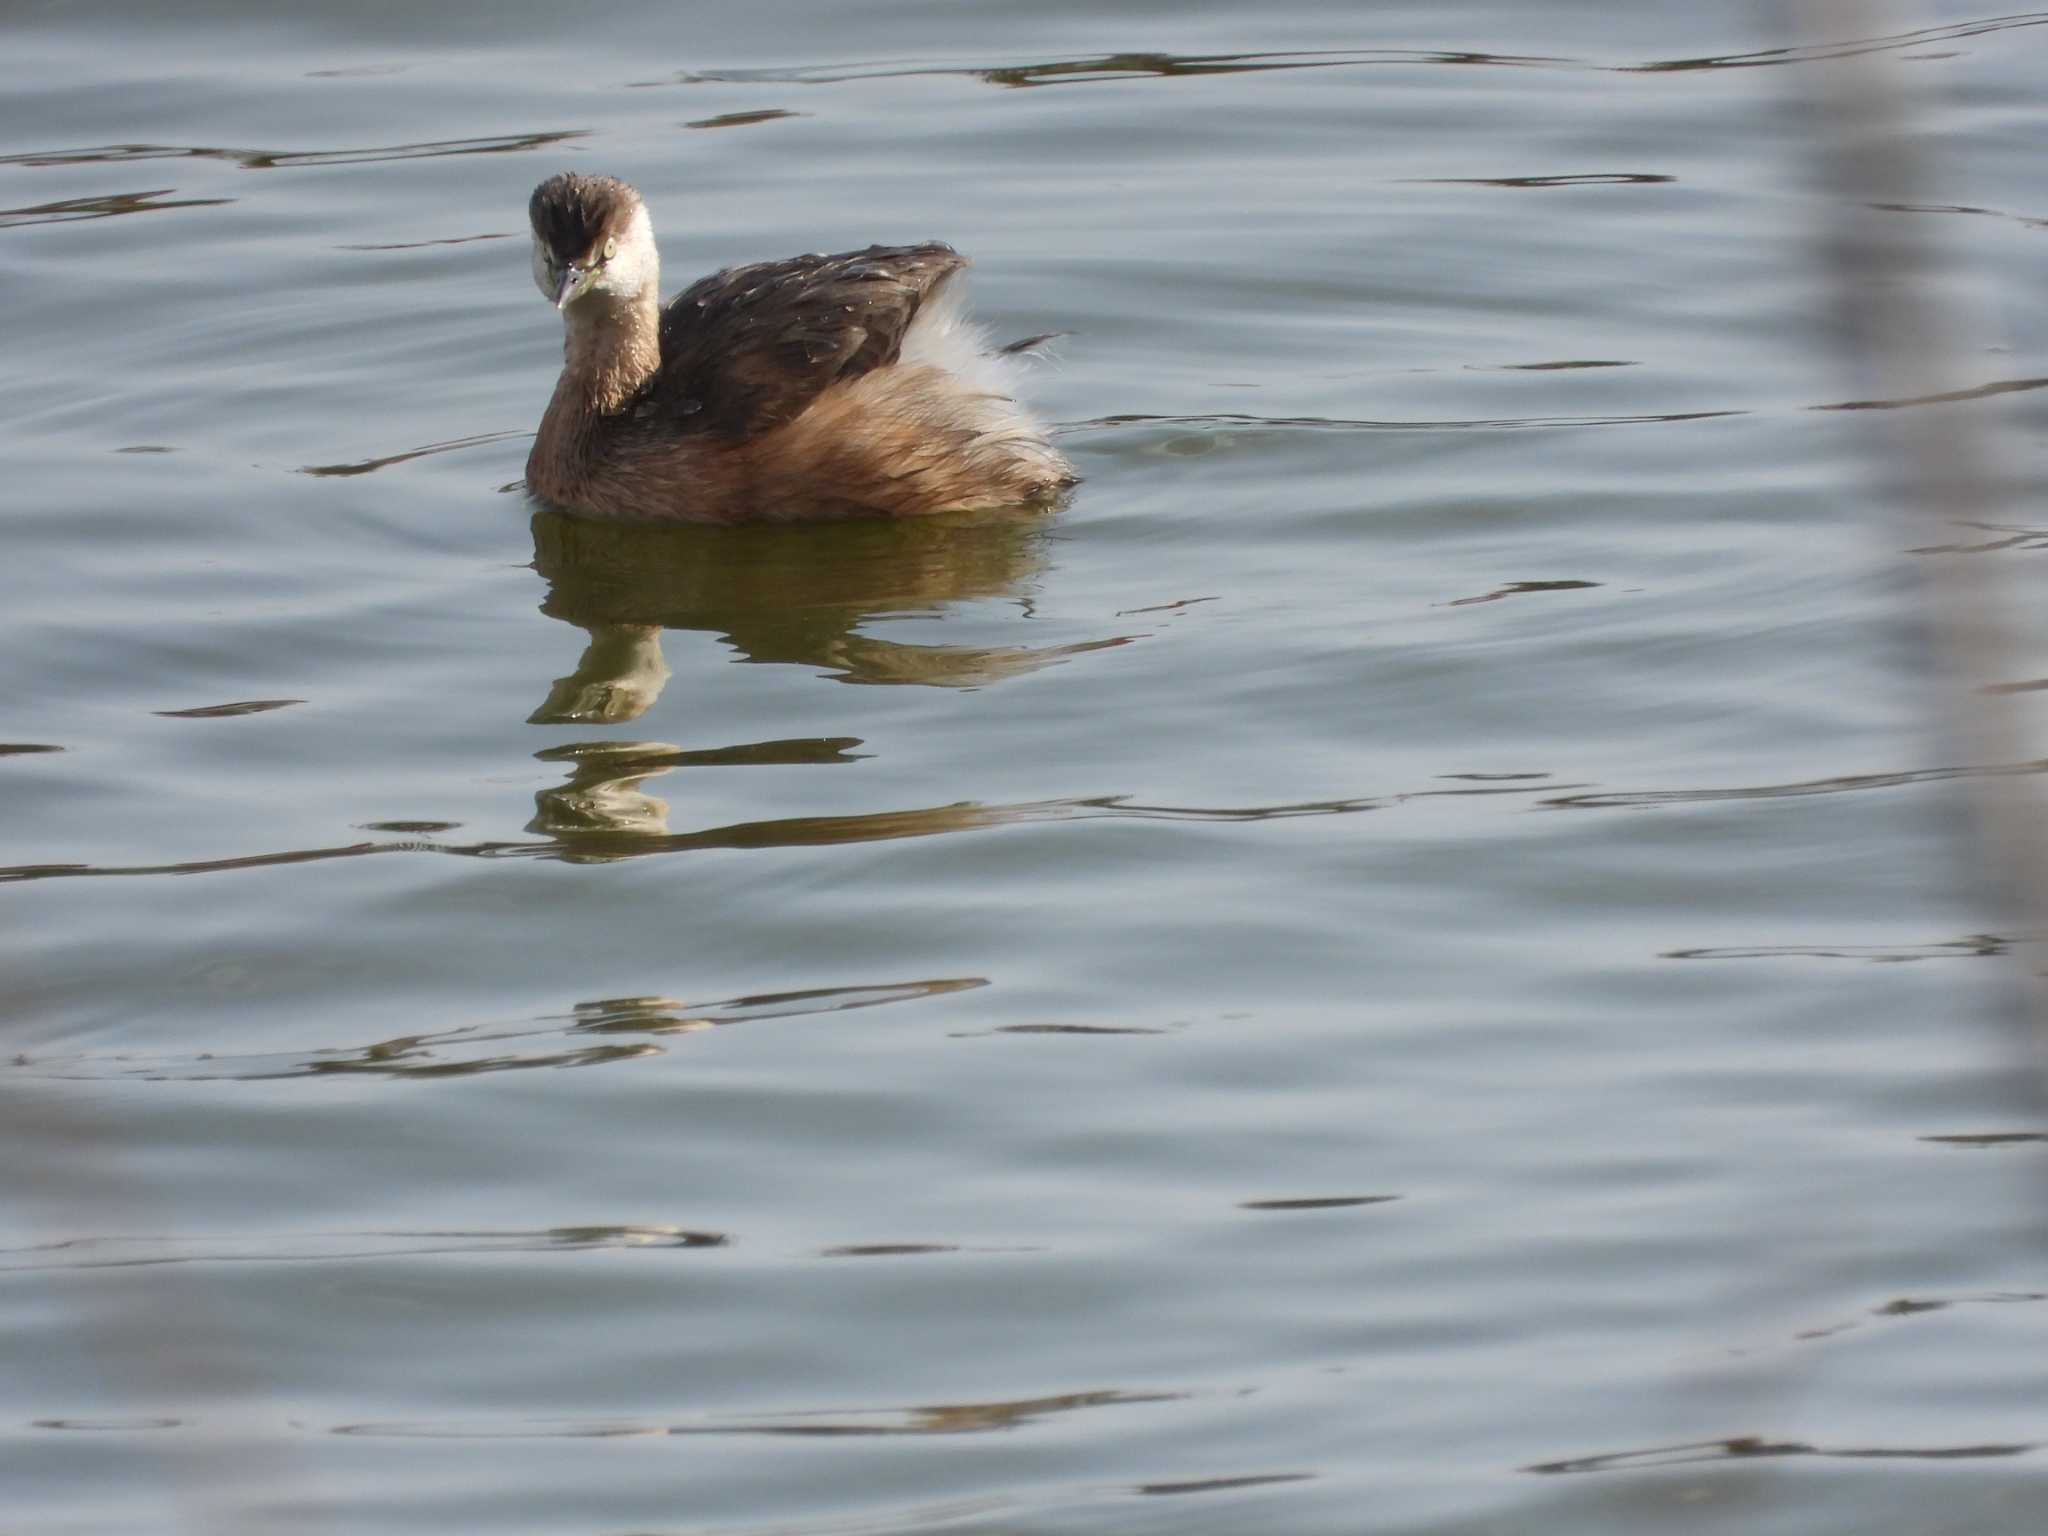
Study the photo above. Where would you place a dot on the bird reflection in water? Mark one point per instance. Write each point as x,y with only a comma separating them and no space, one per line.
603,795
808,596
603,792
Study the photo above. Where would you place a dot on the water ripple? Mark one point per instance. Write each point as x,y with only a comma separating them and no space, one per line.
609,837
1516,588
370,466
609,841
1756,1447
1225,1484
1130,66
936,1419
1562,365
1099,68
1971,946
227,711
1945,397
421,245
1841,784
71,210
1085,1030
275,159
1247,422
1907,1306
1962,208
1808,53
82,1253
473,1049
1533,183
124,1426
2015,537
745,119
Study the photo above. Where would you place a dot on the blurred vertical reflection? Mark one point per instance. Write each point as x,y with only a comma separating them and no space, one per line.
1940,463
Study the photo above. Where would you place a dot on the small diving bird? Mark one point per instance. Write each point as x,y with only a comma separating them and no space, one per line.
813,388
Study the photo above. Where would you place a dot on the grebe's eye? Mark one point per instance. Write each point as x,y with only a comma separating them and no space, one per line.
611,248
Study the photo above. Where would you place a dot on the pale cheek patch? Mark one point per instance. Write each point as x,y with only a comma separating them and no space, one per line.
634,269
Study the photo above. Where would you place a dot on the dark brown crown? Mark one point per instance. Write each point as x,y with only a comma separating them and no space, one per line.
573,214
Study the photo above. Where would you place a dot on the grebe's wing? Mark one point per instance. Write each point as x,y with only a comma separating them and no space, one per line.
750,347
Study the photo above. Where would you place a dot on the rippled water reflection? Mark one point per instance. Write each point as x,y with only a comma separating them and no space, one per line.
1150,1055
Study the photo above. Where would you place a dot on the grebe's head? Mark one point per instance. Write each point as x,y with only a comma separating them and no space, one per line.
592,242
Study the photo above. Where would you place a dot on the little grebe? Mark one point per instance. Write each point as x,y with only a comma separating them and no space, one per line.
817,387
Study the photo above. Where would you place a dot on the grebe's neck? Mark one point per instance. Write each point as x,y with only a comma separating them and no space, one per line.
609,350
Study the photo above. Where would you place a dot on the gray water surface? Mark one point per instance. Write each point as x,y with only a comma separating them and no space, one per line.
1409,961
